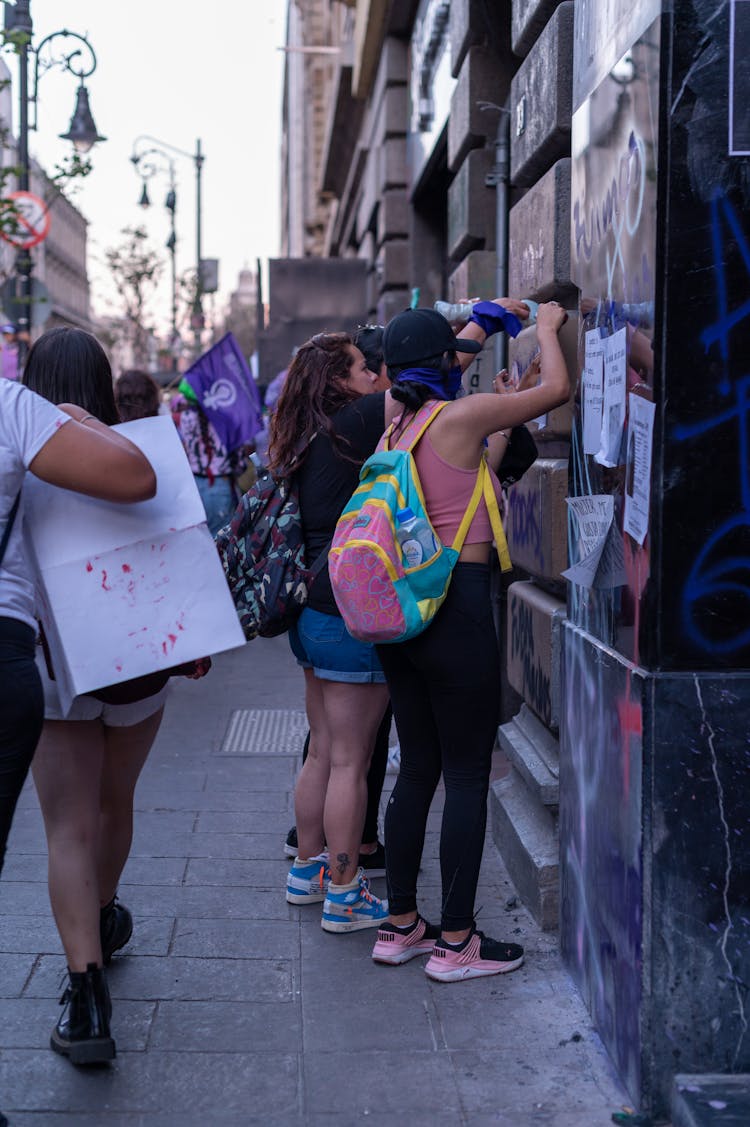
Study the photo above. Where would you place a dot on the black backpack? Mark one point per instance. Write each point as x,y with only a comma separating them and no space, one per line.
262,551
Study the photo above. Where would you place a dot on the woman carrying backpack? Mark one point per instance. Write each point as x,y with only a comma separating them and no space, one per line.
326,424
444,683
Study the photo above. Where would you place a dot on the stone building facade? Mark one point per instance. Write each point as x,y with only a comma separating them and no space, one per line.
401,132
597,154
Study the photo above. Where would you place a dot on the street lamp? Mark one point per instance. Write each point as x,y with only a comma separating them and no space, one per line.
82,131
154,145
147,163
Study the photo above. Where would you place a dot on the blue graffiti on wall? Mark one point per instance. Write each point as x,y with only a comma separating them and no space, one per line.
722,567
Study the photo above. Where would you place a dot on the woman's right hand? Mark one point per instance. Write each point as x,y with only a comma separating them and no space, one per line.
551,315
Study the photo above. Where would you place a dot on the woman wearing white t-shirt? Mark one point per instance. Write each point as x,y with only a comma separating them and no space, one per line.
67,447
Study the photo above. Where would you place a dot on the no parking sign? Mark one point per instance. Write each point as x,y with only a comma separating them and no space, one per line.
33,221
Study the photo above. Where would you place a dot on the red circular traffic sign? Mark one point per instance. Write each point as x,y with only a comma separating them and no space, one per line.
33,221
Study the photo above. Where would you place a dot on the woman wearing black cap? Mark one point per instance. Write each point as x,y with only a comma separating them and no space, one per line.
444,683
327,422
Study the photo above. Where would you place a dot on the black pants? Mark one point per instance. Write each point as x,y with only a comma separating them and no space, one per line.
445,692
21,716
375,776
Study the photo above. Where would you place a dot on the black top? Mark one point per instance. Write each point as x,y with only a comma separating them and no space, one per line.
327,481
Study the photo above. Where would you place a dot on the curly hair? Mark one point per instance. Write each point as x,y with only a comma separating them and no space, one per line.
316,387
136,395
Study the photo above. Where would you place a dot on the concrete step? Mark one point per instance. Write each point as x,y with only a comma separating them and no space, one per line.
533,751
711,1100
525,833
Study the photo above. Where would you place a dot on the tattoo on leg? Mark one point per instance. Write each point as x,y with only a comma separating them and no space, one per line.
342,862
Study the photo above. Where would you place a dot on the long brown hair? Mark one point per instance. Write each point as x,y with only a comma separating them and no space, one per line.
315,388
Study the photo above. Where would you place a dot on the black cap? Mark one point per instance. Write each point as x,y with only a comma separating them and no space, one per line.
417,334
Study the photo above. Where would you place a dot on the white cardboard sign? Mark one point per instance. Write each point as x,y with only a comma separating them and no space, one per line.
126,590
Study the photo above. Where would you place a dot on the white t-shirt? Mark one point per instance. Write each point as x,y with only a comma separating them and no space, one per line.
27,422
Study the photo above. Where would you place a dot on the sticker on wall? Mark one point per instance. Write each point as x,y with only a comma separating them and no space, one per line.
593,394
613,406
638,473
597,543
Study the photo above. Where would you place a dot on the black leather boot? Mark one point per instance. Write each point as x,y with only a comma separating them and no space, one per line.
115,928
82,1033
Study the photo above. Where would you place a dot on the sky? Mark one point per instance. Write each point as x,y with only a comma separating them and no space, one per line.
178,70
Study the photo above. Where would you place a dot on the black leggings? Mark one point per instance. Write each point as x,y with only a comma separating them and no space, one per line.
21,716
375,776
445,692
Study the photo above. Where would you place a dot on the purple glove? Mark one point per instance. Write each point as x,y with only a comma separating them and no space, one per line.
493,318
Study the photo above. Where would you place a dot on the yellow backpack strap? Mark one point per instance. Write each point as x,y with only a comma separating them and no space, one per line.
484,487
501,544
471,508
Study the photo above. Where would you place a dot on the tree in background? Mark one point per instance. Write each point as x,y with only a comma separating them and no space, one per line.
136,269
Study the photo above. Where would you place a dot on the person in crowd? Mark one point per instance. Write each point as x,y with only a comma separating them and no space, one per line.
136,395
88,762
327,422
444,683
369,340
214,468
66,446
9,351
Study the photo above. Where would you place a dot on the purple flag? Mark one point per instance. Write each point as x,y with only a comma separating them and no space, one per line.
227,392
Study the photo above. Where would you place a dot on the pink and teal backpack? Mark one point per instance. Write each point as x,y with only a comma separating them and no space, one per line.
380,597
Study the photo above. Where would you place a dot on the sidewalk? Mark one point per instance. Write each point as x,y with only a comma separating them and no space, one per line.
225,1009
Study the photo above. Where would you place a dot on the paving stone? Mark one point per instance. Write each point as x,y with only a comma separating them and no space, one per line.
259,821
154,870
25,932
380,1083
27,1023
213,1085
206,902
224,1027
239,800
235,939
236,846
15,970
192,979
245,874
28,898
25,867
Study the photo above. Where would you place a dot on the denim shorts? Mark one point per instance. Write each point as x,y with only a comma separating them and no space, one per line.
321,642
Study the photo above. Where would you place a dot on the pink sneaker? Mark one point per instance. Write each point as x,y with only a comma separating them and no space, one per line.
476,957
395,946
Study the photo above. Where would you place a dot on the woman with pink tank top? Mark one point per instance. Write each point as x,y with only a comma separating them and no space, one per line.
444,683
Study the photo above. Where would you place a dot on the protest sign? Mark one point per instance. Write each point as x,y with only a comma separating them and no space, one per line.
126,590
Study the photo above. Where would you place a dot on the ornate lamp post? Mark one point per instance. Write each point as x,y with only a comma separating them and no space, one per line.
82,131
143,146
147,163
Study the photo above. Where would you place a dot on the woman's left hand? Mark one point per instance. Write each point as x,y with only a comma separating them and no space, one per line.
202,666
519,308
502,384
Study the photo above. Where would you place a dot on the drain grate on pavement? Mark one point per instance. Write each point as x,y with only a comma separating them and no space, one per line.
270,731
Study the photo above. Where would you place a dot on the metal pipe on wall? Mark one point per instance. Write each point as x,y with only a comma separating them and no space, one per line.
500,179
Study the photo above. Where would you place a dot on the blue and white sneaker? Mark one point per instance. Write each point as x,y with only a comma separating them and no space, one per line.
350,907
308,880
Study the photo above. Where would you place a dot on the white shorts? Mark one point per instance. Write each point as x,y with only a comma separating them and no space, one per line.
89,708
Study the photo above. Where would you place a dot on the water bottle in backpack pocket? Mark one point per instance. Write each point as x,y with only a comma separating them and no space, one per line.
417,540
